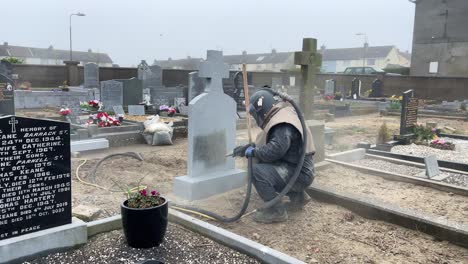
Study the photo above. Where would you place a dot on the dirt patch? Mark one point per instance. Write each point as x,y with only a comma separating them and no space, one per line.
424,199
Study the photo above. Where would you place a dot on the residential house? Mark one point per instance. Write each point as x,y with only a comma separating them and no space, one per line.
272,62
337,60
440,38
51,56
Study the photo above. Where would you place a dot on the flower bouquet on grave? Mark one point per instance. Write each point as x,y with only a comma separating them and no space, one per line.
65,111
102,119
328,97
94,105
144,217
169,111
338,96
440,143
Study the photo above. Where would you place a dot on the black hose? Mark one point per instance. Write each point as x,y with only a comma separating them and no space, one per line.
286,189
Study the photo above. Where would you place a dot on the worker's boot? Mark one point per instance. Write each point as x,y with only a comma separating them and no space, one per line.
297,201
274,214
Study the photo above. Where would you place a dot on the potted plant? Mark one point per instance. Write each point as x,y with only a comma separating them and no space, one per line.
144,218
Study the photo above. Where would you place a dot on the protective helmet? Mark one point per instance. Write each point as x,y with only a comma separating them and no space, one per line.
260,104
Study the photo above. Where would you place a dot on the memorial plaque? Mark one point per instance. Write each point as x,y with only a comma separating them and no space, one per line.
118,110
409,112
7,96
111,94
136,110
432,166
35,175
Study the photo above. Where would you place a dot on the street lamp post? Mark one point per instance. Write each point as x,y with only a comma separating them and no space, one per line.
364,49
76,14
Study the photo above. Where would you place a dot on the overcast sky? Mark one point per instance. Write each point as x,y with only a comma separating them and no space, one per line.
153,29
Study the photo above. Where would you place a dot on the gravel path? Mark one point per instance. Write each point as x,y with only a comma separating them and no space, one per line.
424,151
457,179
180,246
391,167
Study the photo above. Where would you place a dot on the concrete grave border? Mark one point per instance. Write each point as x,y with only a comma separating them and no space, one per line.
222,236
438,227
344,158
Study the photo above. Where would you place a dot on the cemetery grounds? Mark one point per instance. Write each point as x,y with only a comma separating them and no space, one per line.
321,233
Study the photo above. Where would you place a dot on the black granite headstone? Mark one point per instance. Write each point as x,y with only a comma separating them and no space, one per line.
7,96
35,175
409,112
377,88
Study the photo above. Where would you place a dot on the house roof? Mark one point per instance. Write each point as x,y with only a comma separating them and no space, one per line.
187,64
355,53
51,53
260,58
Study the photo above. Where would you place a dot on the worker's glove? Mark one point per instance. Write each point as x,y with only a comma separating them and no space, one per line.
240,150
250,152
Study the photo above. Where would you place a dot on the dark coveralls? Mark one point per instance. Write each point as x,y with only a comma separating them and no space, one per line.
277,162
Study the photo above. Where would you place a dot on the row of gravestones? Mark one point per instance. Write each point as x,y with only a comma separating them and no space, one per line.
7,102
356,85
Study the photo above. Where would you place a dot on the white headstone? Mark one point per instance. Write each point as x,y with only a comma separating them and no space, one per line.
118,110
211,135
329,87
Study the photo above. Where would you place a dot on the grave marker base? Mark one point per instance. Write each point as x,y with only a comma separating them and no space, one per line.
56,239
197,188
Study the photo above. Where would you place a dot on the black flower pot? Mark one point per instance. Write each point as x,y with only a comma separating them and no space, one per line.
144,228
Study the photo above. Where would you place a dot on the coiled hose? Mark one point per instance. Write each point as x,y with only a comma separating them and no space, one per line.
286,189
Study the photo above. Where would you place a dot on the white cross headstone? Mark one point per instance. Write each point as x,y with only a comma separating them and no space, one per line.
211,135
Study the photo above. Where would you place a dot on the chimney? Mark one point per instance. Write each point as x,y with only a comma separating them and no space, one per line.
323,48
90,50
51,47
169,59
244,52
5,44
273,51
366,45
188,57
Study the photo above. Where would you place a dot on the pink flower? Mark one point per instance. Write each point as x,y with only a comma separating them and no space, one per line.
143,192
154,193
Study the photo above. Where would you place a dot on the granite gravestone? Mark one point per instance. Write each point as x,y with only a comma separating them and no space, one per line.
111,94
74,116
136,110
409,112
432,166
377,88
91,75
310,61
211,135
132,91
329,88
151,76
165,95
356,88
7,96
35,175
118,110
196,85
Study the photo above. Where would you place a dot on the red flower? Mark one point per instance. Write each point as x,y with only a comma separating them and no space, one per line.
143,192
154,193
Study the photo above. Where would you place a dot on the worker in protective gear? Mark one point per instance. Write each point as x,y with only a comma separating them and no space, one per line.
277,150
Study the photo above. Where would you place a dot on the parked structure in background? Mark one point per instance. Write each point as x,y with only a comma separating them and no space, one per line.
440,40
51,56
334,60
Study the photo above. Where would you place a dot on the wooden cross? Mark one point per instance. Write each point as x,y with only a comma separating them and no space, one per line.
13,122
214,70
310,62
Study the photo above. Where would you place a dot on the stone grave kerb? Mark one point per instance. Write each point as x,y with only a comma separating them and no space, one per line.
310,61
214,70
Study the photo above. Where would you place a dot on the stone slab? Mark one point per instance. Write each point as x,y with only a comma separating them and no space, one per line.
18,249
136,110
200,187
317,128
104,225
349,156
89,144
432,167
